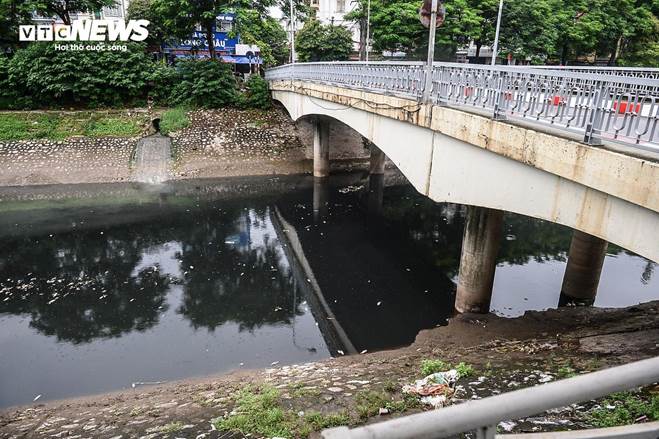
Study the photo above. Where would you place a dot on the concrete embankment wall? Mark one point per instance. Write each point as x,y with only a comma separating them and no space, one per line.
218,143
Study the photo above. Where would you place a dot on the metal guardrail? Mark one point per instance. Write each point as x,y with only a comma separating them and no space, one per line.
596,103
484,415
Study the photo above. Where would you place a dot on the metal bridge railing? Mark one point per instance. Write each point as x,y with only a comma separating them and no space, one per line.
614,104
484,415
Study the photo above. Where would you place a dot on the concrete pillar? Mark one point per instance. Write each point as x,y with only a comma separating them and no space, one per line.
584,266
321,164
320,198
377,160
375,194
480,245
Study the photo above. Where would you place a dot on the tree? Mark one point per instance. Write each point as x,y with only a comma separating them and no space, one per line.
359,14
144,10
461,25
625,21
265,32
317,42
12,14
64,8
488,11
529,29
395,26
179,17
643,51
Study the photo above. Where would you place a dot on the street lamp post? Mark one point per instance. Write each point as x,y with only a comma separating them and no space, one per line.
495,49
431,51
292,20
368,27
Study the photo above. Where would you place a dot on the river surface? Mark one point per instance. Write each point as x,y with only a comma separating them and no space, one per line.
140,286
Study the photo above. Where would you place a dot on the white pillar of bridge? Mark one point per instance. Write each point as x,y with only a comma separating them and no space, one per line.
480,246
321,134
584,266
377,160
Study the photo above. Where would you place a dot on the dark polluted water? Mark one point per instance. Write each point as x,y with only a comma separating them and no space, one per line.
139,286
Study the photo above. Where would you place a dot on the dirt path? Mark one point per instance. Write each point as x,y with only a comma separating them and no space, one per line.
505,354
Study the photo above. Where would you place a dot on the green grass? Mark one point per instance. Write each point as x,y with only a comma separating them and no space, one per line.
259,411
369,403
628,407
464,370
172,427
428,367
173,120
59,126
431,366
112,127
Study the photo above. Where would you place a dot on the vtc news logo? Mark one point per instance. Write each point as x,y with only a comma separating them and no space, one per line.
86,30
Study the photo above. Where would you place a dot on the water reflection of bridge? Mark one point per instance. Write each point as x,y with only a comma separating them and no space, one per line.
367,287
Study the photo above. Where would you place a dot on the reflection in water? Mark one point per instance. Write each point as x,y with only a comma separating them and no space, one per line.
95,297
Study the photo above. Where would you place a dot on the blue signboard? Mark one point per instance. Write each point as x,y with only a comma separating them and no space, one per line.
197,41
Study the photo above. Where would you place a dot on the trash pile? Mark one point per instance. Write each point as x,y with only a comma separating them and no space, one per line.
436,389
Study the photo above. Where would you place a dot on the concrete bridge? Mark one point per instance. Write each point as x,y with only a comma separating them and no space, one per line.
575,147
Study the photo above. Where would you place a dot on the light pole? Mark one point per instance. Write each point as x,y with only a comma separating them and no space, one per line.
495,49
292,20
431,51
368,28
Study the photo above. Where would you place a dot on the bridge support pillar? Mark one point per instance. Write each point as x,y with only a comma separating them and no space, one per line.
377,161
584,266
321,134
480,246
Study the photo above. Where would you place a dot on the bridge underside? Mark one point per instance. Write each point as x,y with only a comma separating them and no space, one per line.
460,157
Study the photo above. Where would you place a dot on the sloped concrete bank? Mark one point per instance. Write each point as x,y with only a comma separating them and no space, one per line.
505,354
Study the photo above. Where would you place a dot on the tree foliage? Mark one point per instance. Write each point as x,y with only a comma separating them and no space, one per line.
204,83
532,30
41,75
258,94
266,33
318,42
144,10
12,14
65,8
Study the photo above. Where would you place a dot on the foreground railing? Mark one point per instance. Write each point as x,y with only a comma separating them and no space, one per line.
484,415
598,104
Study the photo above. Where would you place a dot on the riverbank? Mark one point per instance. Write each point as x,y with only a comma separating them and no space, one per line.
85,147
498,355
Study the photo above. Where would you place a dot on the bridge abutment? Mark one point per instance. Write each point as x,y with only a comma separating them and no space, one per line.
478,261
584,267
321,135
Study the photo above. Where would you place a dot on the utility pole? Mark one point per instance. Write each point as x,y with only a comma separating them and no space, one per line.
495,49
431,51
292,21
368,28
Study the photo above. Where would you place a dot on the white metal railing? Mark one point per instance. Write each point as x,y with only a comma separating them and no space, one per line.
596,103
484,415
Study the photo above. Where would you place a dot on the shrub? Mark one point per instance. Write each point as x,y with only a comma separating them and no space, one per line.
428,367
204,83
162,80
258,95
59,78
